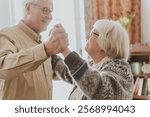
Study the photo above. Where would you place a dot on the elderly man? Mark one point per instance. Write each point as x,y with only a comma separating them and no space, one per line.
25,63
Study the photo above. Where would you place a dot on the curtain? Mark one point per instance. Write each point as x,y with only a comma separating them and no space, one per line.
114,9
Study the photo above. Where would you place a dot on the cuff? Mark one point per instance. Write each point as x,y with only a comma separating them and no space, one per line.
76,65
54,61
73,59
39,52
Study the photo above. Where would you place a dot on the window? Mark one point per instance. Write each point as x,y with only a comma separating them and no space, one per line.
68,13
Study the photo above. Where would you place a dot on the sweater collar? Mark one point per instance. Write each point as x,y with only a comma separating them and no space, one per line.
101,62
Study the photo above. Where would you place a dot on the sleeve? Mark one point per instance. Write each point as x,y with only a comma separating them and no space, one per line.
14,62
61,71
95,84
87,79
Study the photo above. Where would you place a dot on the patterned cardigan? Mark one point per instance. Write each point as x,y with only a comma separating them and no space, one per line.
112,80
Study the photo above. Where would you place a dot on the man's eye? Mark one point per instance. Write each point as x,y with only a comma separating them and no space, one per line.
46,10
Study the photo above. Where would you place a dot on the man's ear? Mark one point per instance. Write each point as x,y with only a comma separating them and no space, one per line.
27,8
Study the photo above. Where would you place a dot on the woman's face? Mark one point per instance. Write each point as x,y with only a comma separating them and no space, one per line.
92,46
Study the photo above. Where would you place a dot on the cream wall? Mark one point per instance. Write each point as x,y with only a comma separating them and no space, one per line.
145,21
4,13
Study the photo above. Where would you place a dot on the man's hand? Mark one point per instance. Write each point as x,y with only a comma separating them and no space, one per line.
57,42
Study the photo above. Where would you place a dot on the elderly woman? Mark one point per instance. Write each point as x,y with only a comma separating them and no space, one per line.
109,77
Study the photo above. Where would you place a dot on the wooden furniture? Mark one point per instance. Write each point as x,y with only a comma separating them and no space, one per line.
140,53
142,97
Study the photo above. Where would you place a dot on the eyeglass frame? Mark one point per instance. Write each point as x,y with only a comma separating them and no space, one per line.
45,10
93,31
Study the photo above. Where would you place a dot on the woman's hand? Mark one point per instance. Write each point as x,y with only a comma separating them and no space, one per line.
66,52
57,42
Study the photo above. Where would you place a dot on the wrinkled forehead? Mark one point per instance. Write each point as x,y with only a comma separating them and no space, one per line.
50,1
36,1
45,3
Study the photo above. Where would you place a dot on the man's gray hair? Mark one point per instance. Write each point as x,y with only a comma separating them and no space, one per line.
34,1
25,2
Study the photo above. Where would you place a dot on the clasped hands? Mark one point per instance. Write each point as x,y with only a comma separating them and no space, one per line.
57,41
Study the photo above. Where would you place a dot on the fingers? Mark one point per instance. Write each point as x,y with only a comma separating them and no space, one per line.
58,25
58,40
58,28
61,36
59,32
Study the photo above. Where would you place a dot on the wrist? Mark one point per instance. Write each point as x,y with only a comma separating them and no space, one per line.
66,52
47,50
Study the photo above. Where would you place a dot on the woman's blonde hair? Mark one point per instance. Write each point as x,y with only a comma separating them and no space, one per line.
113,39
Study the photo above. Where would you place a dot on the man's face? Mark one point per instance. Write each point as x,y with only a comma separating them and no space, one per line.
39,15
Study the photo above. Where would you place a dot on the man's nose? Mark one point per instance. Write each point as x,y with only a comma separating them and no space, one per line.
49,16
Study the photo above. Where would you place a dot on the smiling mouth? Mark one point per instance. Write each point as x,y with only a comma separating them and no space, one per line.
45,22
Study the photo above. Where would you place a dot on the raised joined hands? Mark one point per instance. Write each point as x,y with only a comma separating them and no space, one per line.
57,41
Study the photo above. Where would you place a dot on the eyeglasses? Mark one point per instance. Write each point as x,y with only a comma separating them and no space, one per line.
94,32
90,34
45,10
